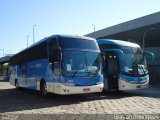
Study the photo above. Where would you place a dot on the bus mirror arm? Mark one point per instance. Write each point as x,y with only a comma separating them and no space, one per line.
103,56
60,53
57,54
51,66
149,56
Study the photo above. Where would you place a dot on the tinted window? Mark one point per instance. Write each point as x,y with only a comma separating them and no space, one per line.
34,53
112,66
67,43
107,46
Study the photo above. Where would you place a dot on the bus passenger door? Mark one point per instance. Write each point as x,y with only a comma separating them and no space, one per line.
54,60
112,69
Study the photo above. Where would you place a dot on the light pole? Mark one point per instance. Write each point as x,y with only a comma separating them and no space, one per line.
33,33
144,35
2,51
94,28
27,41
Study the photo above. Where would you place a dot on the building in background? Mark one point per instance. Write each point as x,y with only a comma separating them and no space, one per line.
144,31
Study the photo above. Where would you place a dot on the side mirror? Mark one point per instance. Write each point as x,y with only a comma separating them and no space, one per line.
103,56
149,56
51,66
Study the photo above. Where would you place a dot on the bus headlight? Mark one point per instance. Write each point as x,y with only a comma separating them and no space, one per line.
131,81
135,82
99,83
69,84
124,80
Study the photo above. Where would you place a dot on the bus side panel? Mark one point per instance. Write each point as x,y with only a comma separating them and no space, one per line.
21,75
53,81
36,72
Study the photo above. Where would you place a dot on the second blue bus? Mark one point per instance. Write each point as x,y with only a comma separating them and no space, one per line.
125,66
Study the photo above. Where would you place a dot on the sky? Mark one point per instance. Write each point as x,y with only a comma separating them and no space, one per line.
71,17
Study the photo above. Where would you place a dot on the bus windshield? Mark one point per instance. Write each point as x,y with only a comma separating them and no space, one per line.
135,62
81,63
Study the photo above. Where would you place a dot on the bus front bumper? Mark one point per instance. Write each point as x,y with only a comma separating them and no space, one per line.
66,90
125,85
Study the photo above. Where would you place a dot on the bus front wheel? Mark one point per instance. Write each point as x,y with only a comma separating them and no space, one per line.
16,84
43,88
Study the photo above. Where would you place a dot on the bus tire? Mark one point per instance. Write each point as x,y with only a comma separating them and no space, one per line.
16,84
43,87
118,91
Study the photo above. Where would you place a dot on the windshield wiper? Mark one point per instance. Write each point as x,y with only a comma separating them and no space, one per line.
74,74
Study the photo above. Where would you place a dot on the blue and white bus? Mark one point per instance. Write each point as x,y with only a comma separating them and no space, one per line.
59,64
124,67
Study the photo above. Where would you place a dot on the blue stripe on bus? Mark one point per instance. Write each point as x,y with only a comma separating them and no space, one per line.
84,81
136,80
40,69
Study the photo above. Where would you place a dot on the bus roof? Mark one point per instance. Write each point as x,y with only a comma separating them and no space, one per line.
58,36
117,42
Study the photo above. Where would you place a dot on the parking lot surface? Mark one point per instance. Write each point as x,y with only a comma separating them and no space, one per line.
27,102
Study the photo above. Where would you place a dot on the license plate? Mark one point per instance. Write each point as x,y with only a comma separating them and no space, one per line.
86,89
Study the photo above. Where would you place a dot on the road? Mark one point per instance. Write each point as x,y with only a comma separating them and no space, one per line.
27,103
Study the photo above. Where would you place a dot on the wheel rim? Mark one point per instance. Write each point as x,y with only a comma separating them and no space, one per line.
44,90
16,84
